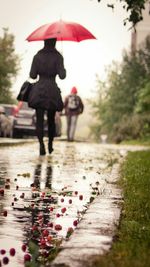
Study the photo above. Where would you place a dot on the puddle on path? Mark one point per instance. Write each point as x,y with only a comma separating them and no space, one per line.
46,196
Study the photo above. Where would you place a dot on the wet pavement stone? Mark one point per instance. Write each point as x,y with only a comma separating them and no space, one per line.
94,234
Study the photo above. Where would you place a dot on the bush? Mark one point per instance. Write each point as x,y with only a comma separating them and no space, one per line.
131,127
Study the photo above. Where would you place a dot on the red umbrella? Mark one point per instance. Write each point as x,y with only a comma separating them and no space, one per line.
62,30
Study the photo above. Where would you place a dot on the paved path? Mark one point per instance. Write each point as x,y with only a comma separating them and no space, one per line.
94,234
81,167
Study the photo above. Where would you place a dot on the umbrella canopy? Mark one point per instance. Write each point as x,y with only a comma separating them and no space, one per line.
62,30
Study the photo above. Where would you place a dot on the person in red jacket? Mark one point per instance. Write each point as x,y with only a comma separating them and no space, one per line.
73,106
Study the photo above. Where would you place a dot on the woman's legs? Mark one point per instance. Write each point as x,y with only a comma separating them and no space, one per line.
40,129
51,129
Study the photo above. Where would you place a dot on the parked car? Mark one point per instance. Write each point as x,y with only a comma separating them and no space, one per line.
9,109
25,122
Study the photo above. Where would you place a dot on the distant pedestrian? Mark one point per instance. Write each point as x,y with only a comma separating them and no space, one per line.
46,65
73,107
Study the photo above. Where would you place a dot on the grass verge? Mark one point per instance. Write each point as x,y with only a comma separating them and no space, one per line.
132,244
145,141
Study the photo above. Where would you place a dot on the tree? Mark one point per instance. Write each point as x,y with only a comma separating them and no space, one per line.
134,7
9,66
124,112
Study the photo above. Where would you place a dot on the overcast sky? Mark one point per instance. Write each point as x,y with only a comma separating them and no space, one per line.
82,60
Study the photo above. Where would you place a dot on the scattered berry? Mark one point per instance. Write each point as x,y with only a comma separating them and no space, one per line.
75,223
24,247
5,260
1,191
2,251
12,252
63,210
58,227
49,238
5,213
81,197
7,186
27,257
70,201
45,232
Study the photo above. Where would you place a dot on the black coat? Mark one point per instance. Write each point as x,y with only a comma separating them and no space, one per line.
47,63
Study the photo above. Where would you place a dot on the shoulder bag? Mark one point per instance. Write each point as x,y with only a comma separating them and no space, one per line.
25,91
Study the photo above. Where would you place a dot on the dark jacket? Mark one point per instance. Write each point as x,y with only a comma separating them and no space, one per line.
77,111
46,64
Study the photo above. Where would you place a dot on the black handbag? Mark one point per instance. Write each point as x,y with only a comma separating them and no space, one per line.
25,91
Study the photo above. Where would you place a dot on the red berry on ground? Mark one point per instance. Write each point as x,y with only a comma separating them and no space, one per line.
27,257
75,223
1,191
34,228
63,210
7,186
5,260
12,252
2,251
42,242
70,201
24,247
49,238
5,213
50,224
81,197
58,227
40,217
45,232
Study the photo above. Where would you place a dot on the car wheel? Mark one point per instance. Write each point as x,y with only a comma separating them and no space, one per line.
16,134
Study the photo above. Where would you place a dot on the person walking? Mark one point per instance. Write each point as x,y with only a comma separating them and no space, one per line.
46,65
73,106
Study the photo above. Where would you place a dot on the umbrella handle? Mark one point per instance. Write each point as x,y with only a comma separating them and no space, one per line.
62,47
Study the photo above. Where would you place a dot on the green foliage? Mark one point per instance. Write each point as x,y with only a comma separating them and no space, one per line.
34,251
123,113
133,7
131,245
143,104
9,63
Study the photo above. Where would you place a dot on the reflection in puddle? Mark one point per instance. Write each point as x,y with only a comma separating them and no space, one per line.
45,196
42,177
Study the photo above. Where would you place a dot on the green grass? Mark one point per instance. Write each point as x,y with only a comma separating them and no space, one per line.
131,247
145,141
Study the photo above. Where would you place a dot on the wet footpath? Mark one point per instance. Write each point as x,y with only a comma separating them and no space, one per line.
68,201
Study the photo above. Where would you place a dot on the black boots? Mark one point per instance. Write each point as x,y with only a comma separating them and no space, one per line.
42,149
50,147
